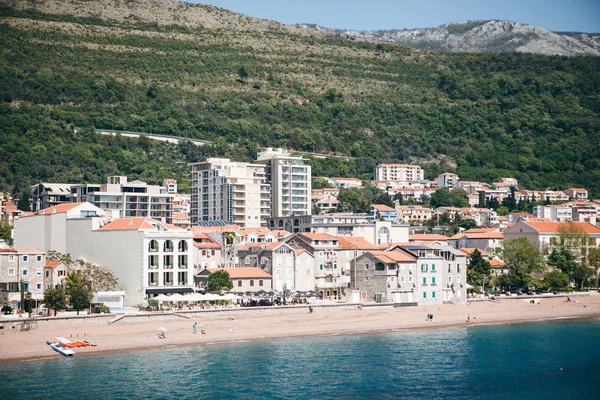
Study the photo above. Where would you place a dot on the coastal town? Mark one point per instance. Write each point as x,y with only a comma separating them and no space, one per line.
279,238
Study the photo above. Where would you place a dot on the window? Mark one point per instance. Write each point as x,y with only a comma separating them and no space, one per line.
251,282
38,258
203,252
379,267
321,266
449,279
38,287
260,282
212,253
424,281
25,258
432,267
433,280
47,274
11,258
239,283
26,286
423,267
458,278
410,278
11,272
424,295
433,295
38,272
334,266
402,279
25,272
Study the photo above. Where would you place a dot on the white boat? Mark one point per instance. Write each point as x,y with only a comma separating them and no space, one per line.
62,350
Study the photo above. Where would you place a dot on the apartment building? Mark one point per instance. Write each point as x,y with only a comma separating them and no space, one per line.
224,190
21,268
412,213
399,172
44,195
447,180
170,185
290,179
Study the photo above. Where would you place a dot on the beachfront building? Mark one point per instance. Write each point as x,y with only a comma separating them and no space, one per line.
21,272
55,273
207,252
224,190
399,172
546,235
290,180
243,279
292,267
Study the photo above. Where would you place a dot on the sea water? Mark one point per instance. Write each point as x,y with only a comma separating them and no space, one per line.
544,360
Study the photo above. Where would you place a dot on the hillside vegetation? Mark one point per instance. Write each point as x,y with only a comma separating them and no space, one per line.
206,73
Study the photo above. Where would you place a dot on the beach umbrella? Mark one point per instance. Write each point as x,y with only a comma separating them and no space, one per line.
160,297
177,297
163,329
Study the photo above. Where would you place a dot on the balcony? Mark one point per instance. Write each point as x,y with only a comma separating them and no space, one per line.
152,266
168,267
182,266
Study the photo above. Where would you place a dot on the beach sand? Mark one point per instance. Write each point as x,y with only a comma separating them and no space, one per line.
248,324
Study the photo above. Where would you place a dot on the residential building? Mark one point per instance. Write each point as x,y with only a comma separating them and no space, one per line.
44,195
554,213
546,235
382,212
577,194
223,190
510,182
243,279
120,198
55,273
346,183
292,267
21,269
481,238
414,214
290,179
399,172
207,252
427,237
447,180
181,220
170,185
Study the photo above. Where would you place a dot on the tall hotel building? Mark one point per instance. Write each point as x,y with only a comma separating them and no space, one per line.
290,179
224,190
398,172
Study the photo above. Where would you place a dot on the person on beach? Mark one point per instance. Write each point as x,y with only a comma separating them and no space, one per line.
468,318
194,326
310,310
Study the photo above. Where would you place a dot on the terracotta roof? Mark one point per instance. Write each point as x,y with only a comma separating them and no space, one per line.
552,227
355,243
497,263
133,223
11,208
215,228
241,273
52,263
485,235
180,215
257,231
382,207
203,241
280,232
318,236
6,248
471,250
61,208
427,236
392,257
299,251
29,249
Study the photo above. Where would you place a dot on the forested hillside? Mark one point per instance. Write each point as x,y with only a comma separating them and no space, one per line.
481,115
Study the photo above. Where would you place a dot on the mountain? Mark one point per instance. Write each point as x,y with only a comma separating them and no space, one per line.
484,37
243,83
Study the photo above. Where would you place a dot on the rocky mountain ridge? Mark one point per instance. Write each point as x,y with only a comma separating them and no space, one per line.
494,36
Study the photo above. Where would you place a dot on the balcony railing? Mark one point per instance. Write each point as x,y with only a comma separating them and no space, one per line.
153,267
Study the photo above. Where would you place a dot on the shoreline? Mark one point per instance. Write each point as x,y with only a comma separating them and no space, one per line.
282,324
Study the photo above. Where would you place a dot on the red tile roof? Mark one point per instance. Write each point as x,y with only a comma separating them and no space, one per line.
497,263
471,250
241,273
392,257
29,250
133,223
355,243
553,227
52,263
318,236
61,208
382,207
427,236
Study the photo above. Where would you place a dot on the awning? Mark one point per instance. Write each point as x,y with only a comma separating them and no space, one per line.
169,290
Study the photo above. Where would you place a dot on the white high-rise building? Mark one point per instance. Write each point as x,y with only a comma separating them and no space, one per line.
399,172
290,179
231,191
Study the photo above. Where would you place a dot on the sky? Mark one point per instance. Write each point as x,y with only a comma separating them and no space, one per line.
555,15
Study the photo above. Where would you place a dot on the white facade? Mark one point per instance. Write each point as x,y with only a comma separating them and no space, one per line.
290,179
223,190
447,180
399,172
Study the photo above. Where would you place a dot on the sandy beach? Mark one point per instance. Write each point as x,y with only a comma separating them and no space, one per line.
248,324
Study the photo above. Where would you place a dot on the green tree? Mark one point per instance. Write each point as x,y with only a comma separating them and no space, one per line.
218,281
6,232
24,203
55,299
446,198
594,263
96,277
522,258
564,260
243,73
555,280
354,200
28,303
320,183
80,297
479,270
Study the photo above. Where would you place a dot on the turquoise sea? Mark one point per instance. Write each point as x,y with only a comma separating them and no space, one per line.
543,360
